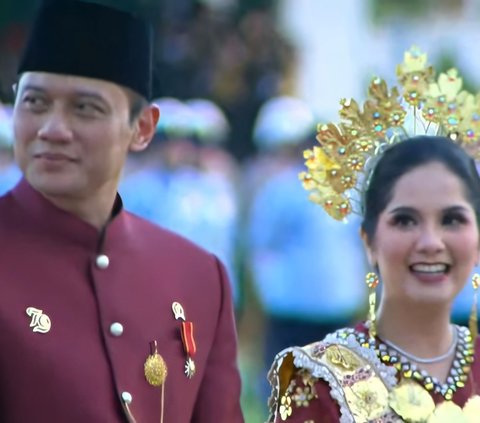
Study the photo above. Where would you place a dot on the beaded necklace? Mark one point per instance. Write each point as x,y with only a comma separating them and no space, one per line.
457,377
431,360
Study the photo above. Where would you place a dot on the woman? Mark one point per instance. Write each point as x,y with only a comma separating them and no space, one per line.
408,362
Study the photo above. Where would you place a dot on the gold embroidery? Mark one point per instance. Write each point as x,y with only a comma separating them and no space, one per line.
342,357
302,396
285,407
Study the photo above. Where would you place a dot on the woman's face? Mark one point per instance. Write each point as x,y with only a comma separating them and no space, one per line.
427,241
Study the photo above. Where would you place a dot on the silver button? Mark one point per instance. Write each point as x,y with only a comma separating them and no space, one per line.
116,329
102,261
127,397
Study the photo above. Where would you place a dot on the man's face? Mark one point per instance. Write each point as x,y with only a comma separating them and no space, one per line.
72,134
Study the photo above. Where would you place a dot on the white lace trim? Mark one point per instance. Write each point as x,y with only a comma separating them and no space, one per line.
303,360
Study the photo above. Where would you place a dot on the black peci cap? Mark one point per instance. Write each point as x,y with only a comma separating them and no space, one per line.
87,39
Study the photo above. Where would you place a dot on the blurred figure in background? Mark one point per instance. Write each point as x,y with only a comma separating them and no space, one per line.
296,250
9,172
187,184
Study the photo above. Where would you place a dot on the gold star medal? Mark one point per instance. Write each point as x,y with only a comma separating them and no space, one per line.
155,367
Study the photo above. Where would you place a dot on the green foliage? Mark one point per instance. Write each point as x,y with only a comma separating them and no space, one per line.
384,10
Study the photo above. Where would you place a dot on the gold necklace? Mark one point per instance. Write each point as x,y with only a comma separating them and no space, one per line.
458,375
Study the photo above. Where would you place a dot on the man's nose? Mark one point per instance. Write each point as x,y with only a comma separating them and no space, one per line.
55,128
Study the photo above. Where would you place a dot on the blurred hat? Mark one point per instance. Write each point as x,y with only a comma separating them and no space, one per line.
210,124
87,39
176,119
6,128
283,121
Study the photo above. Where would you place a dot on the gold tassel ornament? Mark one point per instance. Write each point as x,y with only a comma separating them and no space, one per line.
371,280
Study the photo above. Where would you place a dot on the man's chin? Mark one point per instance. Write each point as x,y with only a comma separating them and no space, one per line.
53,186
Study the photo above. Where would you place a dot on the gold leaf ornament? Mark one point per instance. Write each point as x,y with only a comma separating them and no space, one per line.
411,402
367,399
471,409
339,167
448,412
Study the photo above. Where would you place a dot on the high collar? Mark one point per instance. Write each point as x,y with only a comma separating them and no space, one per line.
41,215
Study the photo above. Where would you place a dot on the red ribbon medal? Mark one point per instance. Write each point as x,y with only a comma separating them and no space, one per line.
190,348
188,339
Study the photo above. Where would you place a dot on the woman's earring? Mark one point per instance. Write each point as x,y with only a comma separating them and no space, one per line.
473,320
371,280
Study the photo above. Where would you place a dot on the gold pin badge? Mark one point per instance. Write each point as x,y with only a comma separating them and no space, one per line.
178,311
155,367
40,322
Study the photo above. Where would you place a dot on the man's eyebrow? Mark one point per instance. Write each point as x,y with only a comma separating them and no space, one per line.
30,87
76,93
90,94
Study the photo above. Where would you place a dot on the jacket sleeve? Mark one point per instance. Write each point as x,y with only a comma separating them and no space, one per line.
219,395
307,400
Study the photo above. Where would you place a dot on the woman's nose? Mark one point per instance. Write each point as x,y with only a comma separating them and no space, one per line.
430,240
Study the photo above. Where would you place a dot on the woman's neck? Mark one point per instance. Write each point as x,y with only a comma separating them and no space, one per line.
423,331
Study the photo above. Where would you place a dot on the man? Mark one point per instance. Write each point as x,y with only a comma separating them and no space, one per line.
105,317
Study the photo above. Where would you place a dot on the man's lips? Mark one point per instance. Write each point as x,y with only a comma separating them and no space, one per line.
53,157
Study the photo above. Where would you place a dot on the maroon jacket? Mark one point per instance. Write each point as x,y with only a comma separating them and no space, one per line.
83,369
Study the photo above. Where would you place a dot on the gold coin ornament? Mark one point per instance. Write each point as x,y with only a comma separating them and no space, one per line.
155,368
411,402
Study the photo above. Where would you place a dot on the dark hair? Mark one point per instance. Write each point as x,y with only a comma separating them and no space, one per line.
404,156
137,104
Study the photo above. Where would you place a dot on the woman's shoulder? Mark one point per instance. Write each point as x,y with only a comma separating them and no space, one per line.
338,361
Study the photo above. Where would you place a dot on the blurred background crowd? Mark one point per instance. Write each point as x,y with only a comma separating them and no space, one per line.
241,85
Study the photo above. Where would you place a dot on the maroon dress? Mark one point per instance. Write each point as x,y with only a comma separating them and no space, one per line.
309,398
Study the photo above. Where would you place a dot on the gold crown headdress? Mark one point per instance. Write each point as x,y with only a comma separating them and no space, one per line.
344,158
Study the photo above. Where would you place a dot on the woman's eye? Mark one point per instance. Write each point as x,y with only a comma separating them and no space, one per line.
454,219
403,220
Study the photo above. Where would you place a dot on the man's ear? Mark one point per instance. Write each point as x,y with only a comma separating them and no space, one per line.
145,128
371,256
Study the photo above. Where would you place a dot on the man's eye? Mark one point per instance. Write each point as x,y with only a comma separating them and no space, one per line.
33,101
89,108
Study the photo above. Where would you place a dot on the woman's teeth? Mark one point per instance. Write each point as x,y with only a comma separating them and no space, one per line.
429,268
